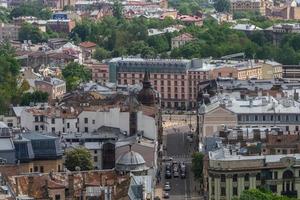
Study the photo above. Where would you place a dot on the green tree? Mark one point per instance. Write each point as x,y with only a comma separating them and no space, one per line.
101,54
74,74
35,97
31,8
117,9
255,194
197,165
78,158
9,71
30,32
222,5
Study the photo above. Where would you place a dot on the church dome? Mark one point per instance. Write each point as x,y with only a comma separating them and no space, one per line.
147,95
131,161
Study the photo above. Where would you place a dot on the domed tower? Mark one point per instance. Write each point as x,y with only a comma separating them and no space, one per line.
147,95
133,162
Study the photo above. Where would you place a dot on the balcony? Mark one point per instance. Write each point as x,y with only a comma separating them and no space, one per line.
290,194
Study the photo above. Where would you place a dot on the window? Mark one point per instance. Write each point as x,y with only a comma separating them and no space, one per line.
223,178
36,128
220,74
53,121
68,125
213,190
53,130
264,118
230,74
93,121
256,118
296,117
234,178
86,129
58,167
223,191
169,83
246,187
284,151
296,128
64,130
57,197
95,159
95,151
182,83
86,120
271,117
36,169
273,188
258,176
36,118
247,177
279,118
234,191
155,75
275,175
41,169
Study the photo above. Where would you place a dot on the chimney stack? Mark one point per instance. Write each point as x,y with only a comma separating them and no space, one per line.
30,186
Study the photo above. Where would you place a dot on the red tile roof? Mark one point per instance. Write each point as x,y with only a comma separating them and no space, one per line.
87,44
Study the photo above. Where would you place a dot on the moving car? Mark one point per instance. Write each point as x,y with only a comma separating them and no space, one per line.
176,174
168,174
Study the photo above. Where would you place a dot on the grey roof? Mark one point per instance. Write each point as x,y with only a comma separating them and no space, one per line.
37,136
246,27
131,161
224,155
6,144
18,110
3,125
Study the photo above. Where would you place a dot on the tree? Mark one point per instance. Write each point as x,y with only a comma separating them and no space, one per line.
31,8
117,9
78,158
30,32
197,165
9,71
255,194
35,97
222,5
101,54
74,74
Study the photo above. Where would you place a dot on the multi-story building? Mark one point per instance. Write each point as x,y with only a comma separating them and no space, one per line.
248,5
9,32
175,80
55,87
278,31
261,111
100,71
61,25
181,40
229,174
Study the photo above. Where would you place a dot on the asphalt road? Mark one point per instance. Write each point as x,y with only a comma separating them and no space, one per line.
179,148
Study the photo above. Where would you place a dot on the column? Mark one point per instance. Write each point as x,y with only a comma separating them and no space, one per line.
241,183
279,187
252,181
297,187
228,186
217,187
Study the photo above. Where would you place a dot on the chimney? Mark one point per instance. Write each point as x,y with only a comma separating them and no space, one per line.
30,186
17,186
71,185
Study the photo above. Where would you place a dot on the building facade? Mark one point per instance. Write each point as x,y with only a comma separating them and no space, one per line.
230,174
248,5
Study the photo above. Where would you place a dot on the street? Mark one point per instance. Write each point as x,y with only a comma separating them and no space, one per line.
180,149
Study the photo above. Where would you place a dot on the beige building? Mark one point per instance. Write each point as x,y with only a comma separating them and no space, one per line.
260,70
181,40
230,174
249,5
9,32
55,87
261,111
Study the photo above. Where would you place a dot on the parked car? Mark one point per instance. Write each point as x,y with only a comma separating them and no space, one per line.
176,174
166,195
167,158
182,175
168,167
168,175
167,186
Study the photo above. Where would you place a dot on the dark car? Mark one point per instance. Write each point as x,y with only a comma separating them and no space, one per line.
166,195
182,175
168,167
168,175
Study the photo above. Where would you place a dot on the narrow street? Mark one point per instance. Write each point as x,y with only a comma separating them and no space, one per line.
180,149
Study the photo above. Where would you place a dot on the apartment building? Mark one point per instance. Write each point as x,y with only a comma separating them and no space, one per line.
261,111
181,40
248,5
55,87
229,174
9,32
175,80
